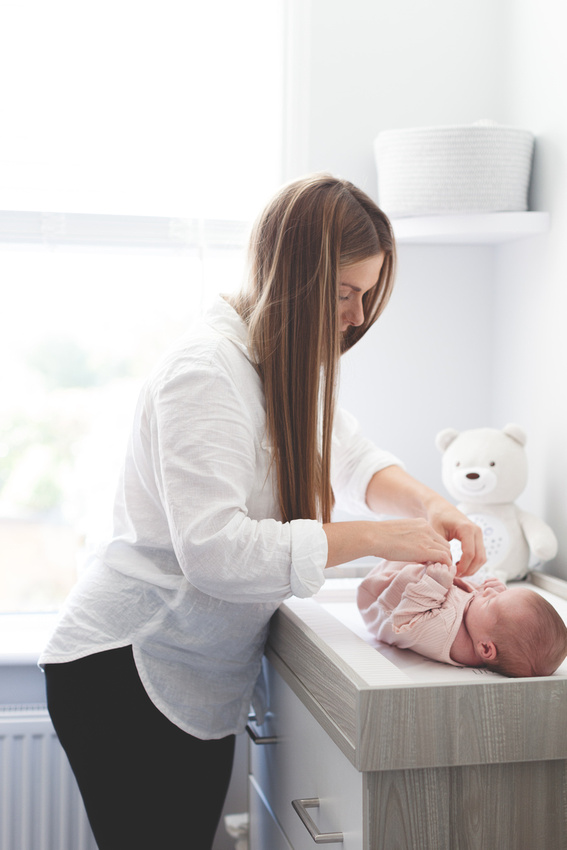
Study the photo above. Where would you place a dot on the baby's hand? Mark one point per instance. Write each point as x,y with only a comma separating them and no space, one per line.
442,574
494,583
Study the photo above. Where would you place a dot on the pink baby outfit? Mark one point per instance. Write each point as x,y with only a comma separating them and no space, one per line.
402,605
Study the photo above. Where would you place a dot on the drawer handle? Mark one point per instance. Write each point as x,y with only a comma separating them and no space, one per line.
255,735
301,807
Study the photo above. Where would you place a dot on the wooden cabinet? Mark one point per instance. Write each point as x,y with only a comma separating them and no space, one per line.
400,764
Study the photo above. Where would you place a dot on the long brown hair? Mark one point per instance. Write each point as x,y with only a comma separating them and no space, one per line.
310,229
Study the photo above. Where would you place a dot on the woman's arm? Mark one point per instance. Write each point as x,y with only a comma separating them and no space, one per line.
394,492
196,466
389,491
423,537
395,540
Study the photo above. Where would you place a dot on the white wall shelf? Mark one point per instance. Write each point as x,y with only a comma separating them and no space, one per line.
470,229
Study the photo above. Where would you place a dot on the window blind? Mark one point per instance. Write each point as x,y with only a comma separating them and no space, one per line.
83,230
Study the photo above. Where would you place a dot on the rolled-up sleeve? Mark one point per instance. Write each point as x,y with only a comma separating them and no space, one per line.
354,462
309,551
210,468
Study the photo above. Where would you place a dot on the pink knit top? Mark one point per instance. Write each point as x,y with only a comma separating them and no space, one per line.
403,606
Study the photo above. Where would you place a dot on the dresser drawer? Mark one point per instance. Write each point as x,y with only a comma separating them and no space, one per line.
265,832
305,763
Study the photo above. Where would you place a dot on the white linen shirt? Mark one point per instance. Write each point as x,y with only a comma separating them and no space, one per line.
199,559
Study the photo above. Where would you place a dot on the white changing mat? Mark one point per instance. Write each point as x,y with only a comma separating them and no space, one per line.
337,597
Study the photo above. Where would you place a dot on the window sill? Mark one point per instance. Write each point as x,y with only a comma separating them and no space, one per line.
23,636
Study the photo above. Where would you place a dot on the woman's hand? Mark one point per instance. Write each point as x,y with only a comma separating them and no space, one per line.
452,524
392,491
412,540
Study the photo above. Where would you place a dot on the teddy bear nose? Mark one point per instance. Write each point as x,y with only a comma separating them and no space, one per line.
473,475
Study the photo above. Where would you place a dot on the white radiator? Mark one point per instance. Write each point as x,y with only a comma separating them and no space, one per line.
40,804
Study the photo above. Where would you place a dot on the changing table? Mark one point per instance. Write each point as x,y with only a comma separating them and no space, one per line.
369,747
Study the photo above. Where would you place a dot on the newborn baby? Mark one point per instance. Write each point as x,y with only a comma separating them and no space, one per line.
427,608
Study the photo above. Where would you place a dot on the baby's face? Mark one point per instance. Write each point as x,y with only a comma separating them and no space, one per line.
486,605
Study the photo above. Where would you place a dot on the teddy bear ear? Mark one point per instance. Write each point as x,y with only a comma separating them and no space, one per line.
516,433
444,438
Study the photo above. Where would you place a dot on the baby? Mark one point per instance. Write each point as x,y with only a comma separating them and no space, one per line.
427,608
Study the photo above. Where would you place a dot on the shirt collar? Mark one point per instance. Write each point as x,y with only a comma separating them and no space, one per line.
225,320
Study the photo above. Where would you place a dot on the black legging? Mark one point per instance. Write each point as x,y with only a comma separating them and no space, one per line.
146,784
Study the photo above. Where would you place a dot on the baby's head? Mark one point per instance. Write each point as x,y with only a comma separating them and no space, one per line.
516,632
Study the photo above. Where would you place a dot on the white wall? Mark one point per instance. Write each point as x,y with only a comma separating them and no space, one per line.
373,65
472,337
426,364
531,350
378,64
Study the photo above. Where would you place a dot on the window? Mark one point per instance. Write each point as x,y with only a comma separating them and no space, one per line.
144,136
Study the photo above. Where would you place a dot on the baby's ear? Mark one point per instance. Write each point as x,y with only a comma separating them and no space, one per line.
486,650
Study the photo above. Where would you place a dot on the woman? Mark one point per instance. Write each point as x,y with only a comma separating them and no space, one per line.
223,511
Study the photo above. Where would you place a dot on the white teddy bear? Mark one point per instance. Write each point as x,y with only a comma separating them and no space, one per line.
486,470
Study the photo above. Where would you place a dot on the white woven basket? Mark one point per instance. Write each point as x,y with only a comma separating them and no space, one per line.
481,167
